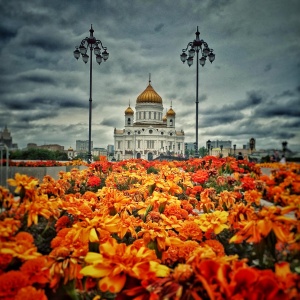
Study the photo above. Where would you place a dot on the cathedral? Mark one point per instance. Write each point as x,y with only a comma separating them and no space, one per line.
148,133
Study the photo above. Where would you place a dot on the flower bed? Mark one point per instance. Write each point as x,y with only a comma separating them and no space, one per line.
153,230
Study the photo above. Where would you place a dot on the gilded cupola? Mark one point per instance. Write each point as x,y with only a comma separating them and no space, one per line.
171,112
129,111
149,95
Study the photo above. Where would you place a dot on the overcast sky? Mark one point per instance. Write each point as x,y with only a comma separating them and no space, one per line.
252,89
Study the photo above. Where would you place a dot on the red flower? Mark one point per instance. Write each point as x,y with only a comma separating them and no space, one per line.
93,181
10,283
248,183
200,176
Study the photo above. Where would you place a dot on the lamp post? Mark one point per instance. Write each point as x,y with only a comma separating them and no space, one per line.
192,48
221,147
252,144
208,143
234,148
284,147
101,54
2,147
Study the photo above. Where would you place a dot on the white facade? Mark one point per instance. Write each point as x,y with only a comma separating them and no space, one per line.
148,133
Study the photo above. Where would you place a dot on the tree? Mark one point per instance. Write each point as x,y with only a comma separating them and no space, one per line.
38,154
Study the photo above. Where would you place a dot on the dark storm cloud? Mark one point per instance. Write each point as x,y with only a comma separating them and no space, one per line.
289,108
47,42
215,119
231,112
110,122
6,32
38,78
40,115
159,27
43,102
268,67
249,89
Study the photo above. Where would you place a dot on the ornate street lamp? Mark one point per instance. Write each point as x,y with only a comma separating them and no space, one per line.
234,148
284,147
101,55
192,48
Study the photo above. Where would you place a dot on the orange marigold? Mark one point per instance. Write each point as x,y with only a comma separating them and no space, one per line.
9,227
186,250
253,196
35,270
216,246
190,230
175,210
201,176
153,216
93,181
29,293
10,283
170,256
5,260
63,222
182,273
24,237
248,183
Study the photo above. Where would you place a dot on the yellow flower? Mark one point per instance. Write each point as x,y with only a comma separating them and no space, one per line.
253,196
87,230
269,218
116,261
227,198
8,227
169,186
217,221
23,182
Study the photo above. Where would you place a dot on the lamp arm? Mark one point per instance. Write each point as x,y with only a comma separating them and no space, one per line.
98,42
189,44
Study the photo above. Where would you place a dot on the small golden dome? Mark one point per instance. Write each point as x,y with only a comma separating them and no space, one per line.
164,119
171,113
70,149
129,111
149,95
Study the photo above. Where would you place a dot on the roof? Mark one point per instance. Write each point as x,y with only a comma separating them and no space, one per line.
149,95
129,111
171,112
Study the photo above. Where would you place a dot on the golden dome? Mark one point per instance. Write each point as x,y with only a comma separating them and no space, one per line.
149,95
129,111
70,149
171,113
164,119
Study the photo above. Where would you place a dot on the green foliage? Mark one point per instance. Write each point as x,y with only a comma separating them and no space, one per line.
38,154
43,233
152,170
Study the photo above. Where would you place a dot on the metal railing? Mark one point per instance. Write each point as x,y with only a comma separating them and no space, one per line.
2,147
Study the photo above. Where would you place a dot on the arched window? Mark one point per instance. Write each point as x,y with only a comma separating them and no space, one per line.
128,121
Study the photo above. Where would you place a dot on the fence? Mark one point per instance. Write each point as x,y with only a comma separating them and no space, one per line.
36,172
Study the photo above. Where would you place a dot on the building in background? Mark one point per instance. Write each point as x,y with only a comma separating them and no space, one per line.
218,144
99,152
83,146
71,153
148,133
6,139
